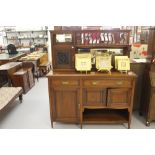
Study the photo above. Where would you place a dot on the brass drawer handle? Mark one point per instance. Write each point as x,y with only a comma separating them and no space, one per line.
79,106
94,83
65,82
119,82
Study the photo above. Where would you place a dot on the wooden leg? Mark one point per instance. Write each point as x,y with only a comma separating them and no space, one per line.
21,98
80,125
129,121
51,123
51,119
37,76
81,118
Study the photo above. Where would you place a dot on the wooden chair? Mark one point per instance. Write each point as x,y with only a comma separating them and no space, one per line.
45,66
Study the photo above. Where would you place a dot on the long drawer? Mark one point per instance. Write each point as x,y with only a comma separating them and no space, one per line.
65,83
107,83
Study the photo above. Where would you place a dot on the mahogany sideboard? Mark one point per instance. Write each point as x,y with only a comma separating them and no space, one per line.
91,98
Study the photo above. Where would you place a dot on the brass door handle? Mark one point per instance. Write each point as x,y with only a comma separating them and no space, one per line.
65,82
119,82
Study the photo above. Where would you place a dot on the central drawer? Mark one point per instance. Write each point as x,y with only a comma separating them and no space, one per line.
107,83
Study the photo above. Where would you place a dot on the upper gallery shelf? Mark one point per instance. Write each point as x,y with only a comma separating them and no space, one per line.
91,38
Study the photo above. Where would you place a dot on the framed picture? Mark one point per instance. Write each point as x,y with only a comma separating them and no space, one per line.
83,62
122,63
103,62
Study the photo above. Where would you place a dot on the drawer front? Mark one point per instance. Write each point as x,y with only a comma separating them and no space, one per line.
65,83
107,83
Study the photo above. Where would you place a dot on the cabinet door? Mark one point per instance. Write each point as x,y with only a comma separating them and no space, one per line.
66,104
118,97
151,42
94,97
63,57
151,111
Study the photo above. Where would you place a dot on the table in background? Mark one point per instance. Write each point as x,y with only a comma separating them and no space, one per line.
8,69
5,57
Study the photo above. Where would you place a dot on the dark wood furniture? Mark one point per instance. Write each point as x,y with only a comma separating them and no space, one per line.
64,49
141,70
23,78
8,69
5,58
20,78
44,68
151,42
94,97
148,105
91,98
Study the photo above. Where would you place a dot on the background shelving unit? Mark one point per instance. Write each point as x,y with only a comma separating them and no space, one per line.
27,38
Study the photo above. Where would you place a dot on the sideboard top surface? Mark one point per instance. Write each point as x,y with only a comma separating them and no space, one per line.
91,74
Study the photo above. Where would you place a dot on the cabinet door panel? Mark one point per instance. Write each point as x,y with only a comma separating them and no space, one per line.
63,57
152,106
94,97
118,97
66,104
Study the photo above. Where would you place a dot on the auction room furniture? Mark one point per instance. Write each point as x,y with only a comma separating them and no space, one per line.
141,70
91,98
24,77
36,58
6,70
95,97
8,95
148,106
5,57
45,65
